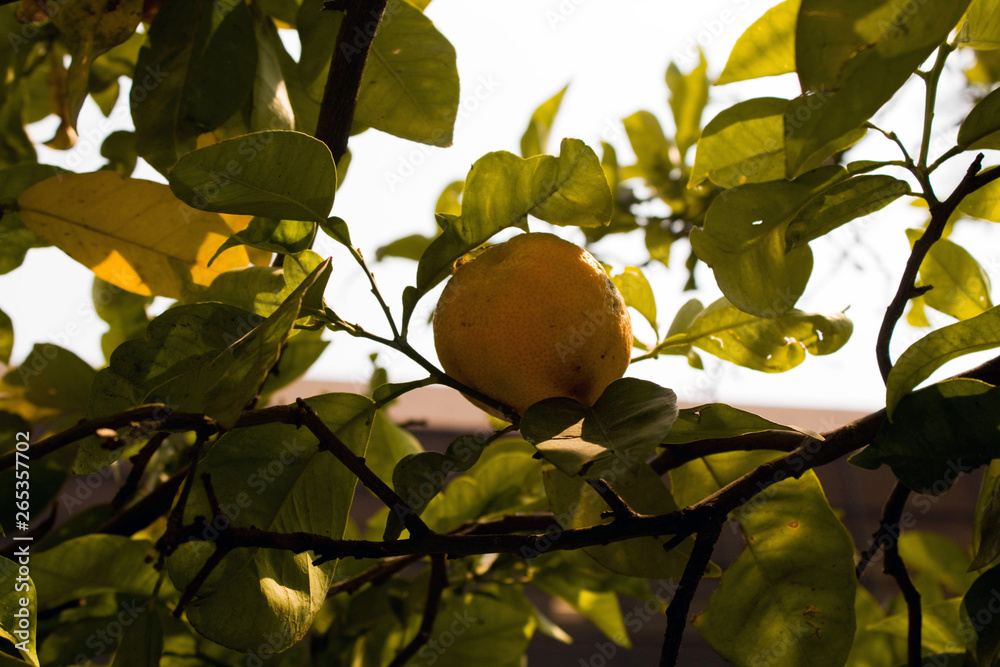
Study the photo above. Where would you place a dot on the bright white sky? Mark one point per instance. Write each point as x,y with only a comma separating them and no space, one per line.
513,55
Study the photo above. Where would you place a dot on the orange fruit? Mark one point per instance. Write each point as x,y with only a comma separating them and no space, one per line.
533,318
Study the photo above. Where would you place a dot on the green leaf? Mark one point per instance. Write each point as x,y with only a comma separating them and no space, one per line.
271,106
18,621
744,240
276,173
851,59
718,420
18,239
119,149
273,235
792,589
981,29
191,48
772,345
600,607
872,649
262,289
203,357
91,565
54,377
847,200
506,481
941,630
981,129
961,288
273,477
980,605
89,28
938,347
986,526
6,337
766,48
536,136
638,294
389,444
743,144
651,148
578,505
688,96
502,189
142,642
408,247
297,356
984,203
623,427
937,433
124,312
939,557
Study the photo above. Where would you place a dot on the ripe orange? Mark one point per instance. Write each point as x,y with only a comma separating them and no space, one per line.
533,318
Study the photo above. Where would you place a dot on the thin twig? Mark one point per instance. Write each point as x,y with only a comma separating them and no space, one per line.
940,213
619,508
330,442
170,538
888,526
435,587
139,463
680,604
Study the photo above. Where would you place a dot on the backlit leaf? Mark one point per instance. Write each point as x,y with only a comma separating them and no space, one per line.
262,289
273,477
638,294
18,239
148,243
89,28
142,641
273,235
743,144
961,288
6,337
981,129
579,439
651,148
718,420
937,433
981,29
536,136
938,347
743,240
766,48
772,345
792,588
688,96
277,174
851,58
941,558
941,631
191,48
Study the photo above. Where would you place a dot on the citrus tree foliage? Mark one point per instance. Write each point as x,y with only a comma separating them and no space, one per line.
230,540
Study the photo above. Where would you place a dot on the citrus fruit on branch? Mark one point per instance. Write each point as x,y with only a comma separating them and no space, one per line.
533,318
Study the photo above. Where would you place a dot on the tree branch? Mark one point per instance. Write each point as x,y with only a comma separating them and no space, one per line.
940,213
350,52
436,586
680,604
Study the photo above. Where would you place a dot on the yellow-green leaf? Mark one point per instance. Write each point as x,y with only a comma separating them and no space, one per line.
89,28
981,29
536,136
960,286
148,243
766,48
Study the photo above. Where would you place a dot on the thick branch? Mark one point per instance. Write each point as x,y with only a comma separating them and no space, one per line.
336,111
